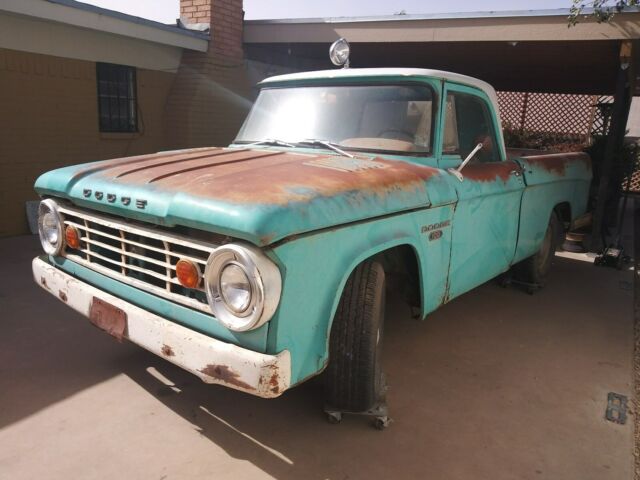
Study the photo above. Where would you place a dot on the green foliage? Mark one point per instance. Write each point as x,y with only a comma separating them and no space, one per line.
602,10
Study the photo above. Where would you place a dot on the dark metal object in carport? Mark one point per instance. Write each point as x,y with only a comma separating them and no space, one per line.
616,408
614,144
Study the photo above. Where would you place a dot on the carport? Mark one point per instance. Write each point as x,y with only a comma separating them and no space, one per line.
520,51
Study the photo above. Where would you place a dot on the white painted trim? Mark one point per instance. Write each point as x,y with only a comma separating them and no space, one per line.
213,361
28,34
94,19
383,72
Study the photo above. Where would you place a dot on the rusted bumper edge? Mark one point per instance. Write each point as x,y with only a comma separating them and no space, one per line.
213,361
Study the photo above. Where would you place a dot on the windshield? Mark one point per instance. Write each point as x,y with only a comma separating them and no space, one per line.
395,118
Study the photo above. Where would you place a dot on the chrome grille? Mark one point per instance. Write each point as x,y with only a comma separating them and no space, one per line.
136,255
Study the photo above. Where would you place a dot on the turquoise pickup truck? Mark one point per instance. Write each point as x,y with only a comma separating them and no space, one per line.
260,265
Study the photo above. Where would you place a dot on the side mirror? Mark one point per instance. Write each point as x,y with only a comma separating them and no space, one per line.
457,172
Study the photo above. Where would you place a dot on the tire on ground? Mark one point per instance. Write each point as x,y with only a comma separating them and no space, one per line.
535,269
353,379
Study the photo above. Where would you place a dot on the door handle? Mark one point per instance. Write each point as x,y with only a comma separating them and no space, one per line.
515,173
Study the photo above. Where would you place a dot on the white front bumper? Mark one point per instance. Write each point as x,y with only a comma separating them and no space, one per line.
212,360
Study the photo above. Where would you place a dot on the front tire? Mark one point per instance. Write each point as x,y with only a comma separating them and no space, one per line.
535,269
353,379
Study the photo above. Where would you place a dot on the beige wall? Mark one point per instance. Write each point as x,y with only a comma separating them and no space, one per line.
49,119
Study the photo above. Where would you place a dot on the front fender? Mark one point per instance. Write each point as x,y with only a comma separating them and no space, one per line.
316,267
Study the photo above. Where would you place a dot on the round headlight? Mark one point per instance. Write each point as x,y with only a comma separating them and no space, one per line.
243,286
235,288
50,227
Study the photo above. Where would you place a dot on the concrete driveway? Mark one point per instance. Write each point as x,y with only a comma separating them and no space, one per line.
496,385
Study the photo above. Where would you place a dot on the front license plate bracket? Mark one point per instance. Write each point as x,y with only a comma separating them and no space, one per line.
108,317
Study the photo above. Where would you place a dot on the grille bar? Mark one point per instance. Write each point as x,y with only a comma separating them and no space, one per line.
136,244
148,232
130,267
137,255
123,253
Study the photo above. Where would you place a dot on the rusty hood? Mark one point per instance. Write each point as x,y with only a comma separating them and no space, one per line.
258,195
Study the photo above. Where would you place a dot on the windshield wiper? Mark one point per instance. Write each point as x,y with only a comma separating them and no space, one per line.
269,141
326,144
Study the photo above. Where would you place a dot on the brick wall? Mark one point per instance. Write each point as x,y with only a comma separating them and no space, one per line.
212,91
49,119
195,11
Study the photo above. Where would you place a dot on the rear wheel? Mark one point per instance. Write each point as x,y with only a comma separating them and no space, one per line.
353,379
535,269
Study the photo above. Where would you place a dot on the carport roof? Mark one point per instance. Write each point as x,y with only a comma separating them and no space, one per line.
525,25
516,50
553,12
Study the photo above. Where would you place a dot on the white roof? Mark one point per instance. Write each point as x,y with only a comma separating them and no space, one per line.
387,72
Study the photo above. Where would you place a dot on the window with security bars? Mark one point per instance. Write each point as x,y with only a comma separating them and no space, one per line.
117,103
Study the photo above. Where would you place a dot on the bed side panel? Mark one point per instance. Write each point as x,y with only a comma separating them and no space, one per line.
551,180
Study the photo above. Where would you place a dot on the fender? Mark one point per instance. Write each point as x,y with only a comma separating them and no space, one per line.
313,284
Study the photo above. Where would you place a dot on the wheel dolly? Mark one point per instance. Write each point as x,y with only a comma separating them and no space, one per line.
379,411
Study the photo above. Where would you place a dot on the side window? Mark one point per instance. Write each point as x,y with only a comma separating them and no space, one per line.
451,144
468,122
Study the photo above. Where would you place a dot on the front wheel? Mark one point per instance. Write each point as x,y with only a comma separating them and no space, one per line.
535,269
353,379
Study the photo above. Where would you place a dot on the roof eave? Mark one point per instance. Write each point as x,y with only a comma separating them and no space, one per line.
71,12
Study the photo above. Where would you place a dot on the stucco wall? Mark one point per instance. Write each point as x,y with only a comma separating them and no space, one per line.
49,119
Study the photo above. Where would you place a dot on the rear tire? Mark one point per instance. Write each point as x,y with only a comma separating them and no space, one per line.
535,269
353,379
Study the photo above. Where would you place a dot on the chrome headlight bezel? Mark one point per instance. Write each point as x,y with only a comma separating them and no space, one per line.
49,206
264,280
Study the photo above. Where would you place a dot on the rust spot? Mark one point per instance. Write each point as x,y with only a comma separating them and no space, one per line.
557,163
43,282
274,382
127,161
267,239
489,172
63,296
167,351
226,375
259,177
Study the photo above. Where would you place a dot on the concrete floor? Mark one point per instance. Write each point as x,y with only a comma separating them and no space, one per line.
496,385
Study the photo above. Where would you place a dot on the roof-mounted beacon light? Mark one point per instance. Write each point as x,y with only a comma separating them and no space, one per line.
339,53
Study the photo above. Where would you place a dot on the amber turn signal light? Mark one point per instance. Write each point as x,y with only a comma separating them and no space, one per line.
72,237
188,273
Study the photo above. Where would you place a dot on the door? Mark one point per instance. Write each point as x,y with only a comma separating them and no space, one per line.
486,218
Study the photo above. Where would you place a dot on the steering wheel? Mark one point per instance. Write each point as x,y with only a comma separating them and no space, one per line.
409,135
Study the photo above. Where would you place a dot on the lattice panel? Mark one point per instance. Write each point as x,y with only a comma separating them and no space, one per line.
562,115
511,109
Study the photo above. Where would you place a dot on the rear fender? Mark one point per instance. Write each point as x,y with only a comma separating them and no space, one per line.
552,180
